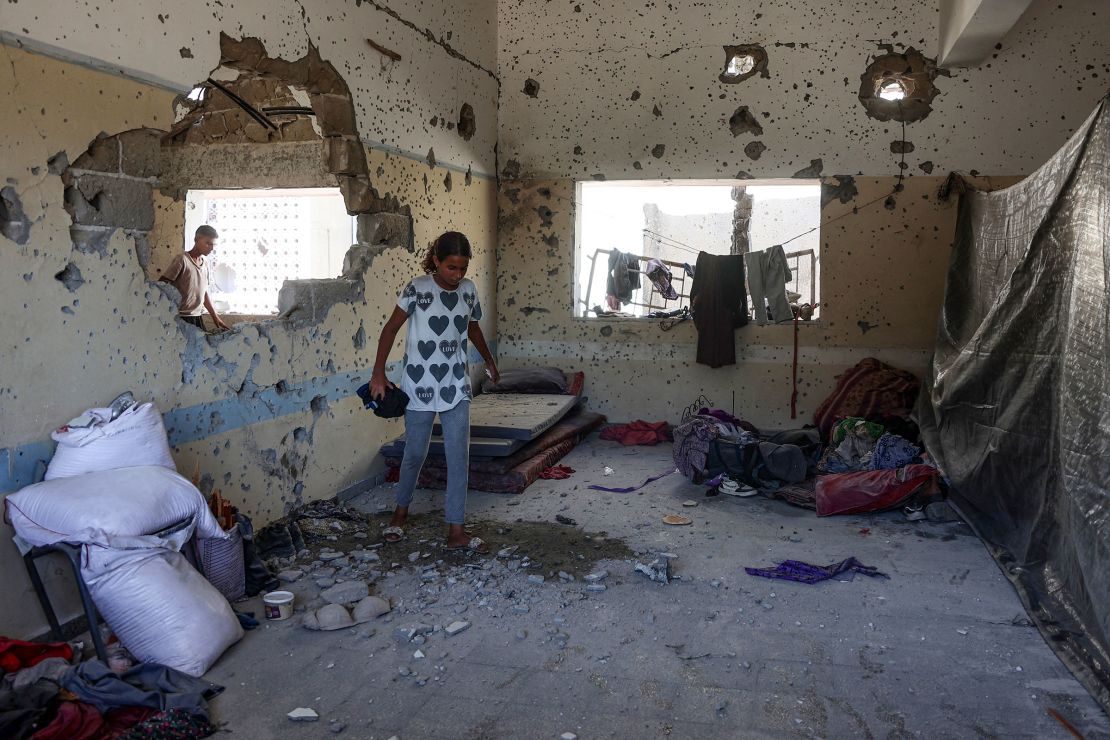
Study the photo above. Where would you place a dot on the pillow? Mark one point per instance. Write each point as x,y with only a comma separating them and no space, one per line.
528,380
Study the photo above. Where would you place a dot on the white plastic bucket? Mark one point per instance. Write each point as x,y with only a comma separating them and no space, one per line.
278,605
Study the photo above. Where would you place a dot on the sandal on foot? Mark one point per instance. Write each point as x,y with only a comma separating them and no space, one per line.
394,534
475,544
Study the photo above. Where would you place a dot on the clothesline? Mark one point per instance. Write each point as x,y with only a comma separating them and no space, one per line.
641,258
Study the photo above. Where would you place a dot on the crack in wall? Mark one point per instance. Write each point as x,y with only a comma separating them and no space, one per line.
430,36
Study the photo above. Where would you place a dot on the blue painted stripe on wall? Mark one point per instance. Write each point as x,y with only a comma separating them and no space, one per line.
194,423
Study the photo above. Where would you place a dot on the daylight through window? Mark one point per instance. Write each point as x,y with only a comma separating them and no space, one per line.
266,238
626,225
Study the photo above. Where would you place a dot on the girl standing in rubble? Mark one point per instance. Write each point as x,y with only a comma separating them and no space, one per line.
443,311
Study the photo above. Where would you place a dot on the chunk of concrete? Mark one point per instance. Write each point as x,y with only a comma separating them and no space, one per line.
370,608
303,714
456,627
658,570
346,592
311,300
345,156
328,618
383,230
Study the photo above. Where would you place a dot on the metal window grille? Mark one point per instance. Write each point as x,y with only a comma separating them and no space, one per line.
803,271
647,297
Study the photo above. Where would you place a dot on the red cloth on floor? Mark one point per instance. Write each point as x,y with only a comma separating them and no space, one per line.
639,432
17,654
75,720
557,472
874,490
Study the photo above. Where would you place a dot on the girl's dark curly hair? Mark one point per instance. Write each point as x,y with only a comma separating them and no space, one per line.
449,244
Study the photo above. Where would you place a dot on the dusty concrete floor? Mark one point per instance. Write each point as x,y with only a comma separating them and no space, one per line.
940,649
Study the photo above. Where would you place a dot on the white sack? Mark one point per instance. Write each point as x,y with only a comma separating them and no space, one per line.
161,608
136,437
109,508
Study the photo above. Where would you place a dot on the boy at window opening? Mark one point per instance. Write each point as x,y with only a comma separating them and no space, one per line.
442,310
188,272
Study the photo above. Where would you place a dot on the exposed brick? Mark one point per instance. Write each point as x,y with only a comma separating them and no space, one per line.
141,151
101,200
101,156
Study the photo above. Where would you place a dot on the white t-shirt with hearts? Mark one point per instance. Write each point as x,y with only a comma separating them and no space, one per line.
436,376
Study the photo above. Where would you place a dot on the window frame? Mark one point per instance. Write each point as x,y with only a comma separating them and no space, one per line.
581,311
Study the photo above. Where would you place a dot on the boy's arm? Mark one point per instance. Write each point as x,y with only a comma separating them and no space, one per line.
211,310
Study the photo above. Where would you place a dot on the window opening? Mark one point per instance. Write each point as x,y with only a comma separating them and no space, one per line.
891,89
673,221
739,64
268,237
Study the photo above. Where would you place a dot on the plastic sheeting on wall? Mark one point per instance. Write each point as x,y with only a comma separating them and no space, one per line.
1016,408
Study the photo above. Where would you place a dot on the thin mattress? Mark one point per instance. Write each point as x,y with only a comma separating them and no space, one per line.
515,415
479,446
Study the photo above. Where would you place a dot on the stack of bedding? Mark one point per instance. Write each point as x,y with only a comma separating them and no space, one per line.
519,427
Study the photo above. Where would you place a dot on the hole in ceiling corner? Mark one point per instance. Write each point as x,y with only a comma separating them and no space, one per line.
899,86
744,61
197,93
891,89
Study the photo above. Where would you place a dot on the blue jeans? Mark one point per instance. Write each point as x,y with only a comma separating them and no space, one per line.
456,441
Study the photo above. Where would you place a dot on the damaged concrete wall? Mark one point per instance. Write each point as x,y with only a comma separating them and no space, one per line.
438,56
632,90
882,278
621,91
267,410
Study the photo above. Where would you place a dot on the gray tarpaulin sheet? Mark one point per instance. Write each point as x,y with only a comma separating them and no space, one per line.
1016,408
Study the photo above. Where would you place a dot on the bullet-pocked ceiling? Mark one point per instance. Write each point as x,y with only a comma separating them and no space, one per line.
626,89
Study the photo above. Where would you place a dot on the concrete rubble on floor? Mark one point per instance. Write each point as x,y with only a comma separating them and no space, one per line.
474,646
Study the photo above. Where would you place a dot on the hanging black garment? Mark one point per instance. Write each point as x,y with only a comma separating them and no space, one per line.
624,276
719,303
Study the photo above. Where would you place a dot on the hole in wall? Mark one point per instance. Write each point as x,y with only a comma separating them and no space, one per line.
739,64
891,89
744,61
467,125
899,86
137,180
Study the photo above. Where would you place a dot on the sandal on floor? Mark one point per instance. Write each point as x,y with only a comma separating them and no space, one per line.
476,544
394,534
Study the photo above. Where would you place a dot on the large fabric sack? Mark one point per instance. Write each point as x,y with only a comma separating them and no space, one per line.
136,437
110,508
161,608
871,388
875,490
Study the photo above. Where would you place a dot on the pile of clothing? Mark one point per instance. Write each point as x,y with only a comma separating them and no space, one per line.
861,455
46,695
713,441
858,444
